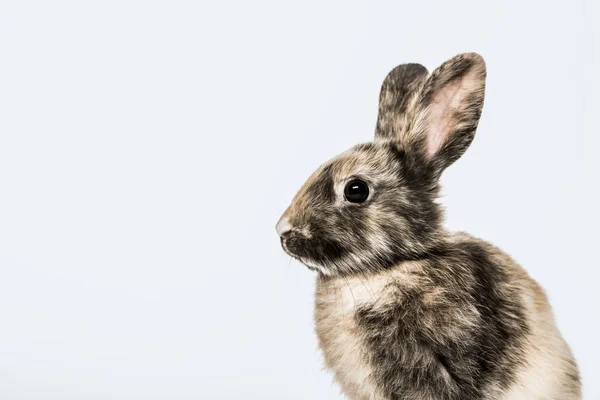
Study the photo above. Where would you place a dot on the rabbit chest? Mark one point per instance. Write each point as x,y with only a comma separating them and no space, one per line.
369,326
339,334
350,316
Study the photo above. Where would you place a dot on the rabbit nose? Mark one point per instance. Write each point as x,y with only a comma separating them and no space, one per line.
283,227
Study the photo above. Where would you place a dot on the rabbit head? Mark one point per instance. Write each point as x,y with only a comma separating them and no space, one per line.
375,204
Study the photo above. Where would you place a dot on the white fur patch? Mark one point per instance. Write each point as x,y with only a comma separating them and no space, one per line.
283,226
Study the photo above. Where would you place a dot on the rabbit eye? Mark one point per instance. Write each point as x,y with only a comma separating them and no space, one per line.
356,191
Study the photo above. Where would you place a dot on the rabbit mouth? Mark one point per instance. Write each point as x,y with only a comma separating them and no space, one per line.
310,264
294,248
315,253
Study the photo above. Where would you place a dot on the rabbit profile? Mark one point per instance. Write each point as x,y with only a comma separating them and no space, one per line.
405,309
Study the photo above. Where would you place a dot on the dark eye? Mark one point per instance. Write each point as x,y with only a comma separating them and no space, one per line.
356,191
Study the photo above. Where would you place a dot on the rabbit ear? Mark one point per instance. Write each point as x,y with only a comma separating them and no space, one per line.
445,113
397,89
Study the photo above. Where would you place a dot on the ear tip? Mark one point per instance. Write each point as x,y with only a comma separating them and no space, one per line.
415,67
406,70
476,60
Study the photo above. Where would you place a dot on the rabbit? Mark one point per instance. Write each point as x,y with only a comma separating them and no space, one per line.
405,309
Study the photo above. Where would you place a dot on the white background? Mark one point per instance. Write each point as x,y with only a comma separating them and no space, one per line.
148,148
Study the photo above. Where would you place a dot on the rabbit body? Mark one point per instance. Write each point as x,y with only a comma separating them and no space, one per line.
468,323
405,310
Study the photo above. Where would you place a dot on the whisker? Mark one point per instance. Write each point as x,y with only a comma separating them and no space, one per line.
369,289
351,292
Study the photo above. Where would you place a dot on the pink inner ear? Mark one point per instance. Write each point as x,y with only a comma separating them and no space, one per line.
442,114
